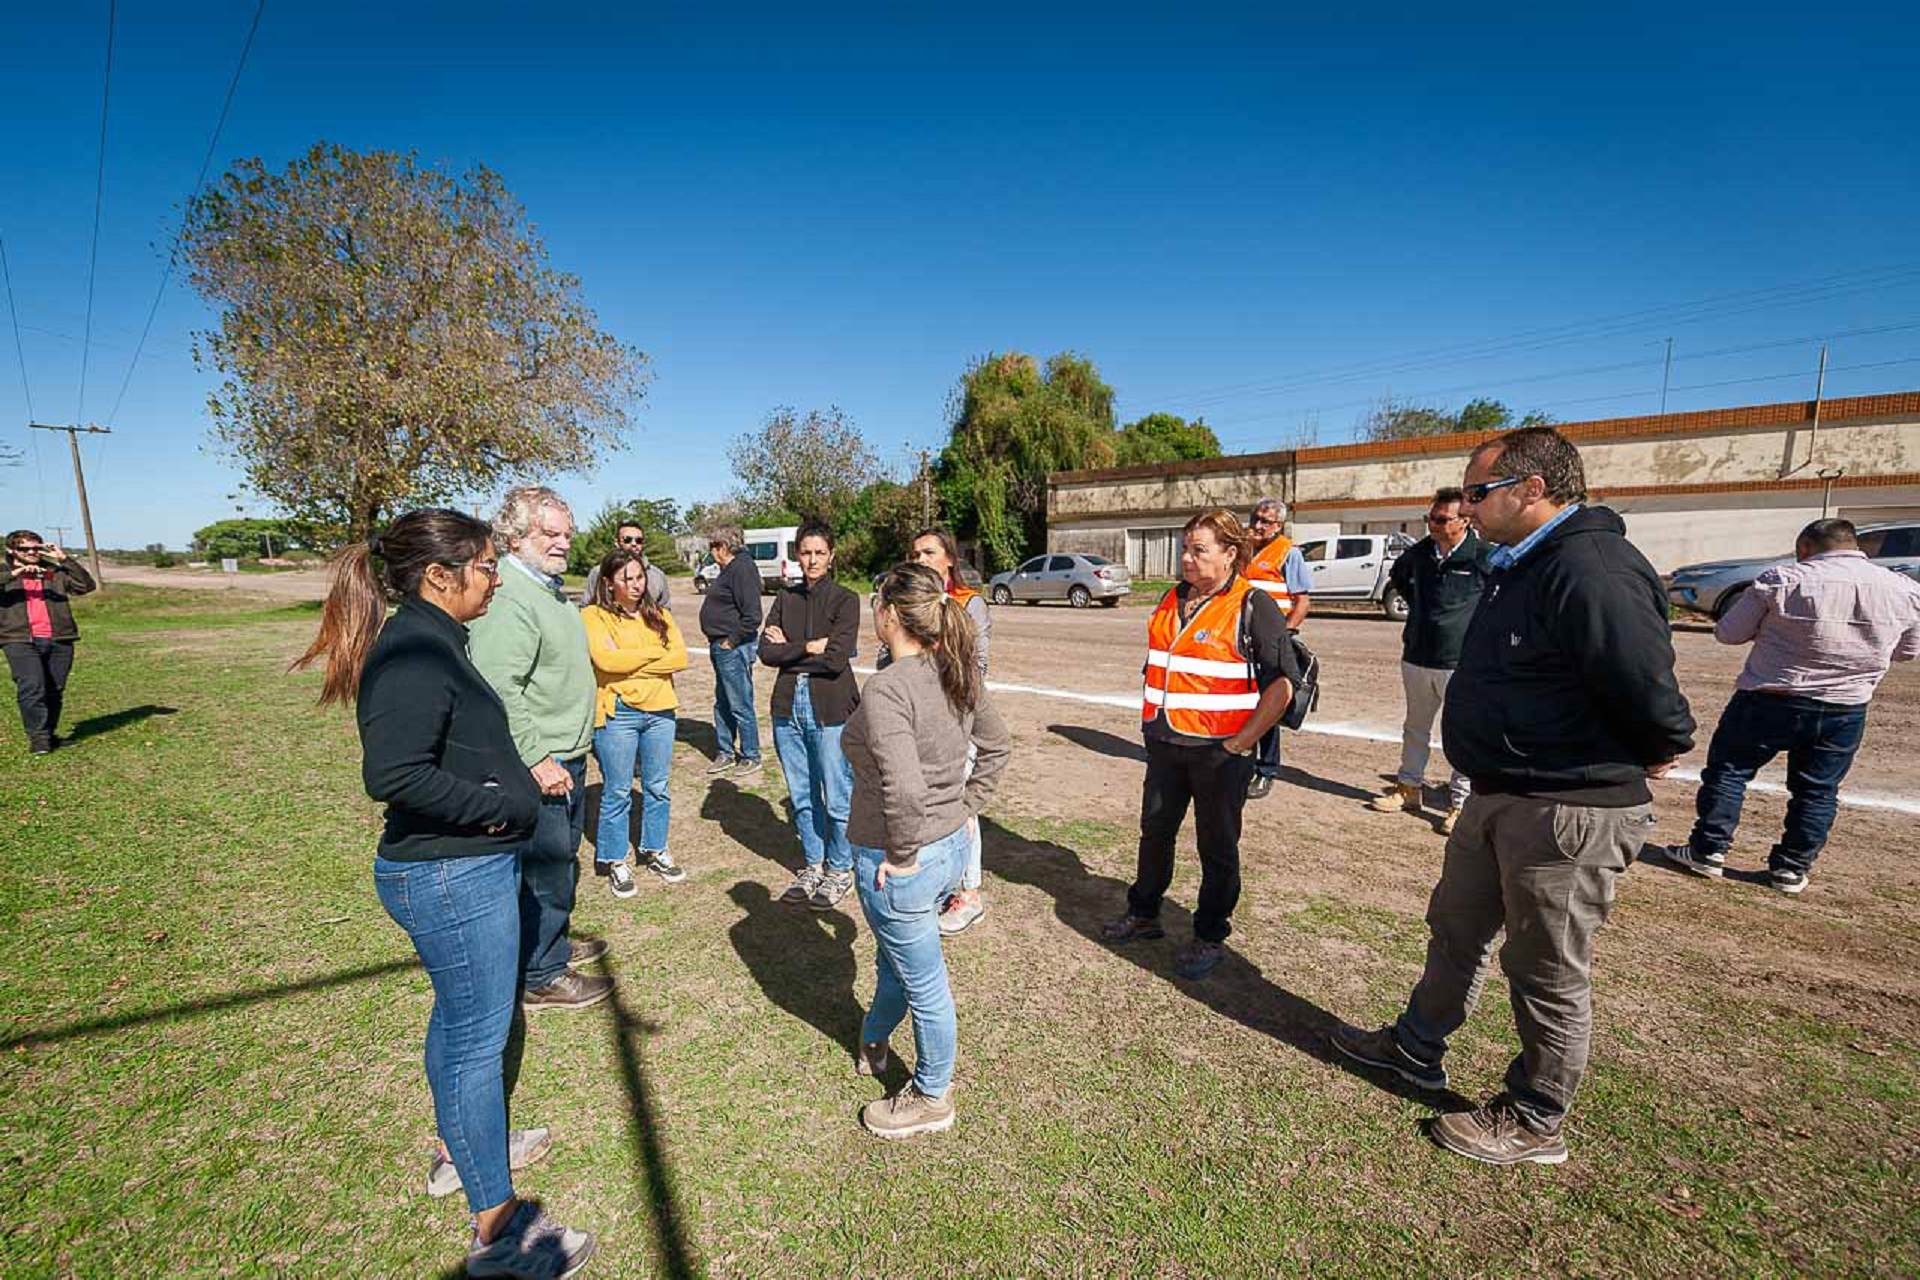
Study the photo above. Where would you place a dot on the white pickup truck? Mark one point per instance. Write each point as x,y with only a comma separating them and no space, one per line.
1353,566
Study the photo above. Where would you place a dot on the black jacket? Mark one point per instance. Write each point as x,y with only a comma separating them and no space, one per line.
61,582
731,610
436,744
1441,596
1565,687
806,613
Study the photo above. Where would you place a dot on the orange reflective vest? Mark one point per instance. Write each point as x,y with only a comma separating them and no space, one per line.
1268,571
960,591
1196,676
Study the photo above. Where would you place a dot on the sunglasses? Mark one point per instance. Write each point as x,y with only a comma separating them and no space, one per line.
1443,519
627,541
1477,493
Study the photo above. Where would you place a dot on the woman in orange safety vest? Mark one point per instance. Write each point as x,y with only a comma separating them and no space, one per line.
1219,673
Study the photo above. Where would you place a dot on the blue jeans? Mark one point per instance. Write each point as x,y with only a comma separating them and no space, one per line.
819,780
463,915
547,873
1820,739
733,721
626,734
910,969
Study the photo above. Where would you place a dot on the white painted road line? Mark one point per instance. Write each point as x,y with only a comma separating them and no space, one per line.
1369,733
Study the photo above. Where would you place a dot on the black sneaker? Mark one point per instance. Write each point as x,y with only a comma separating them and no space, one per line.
1783,881
1694,863
1199,959
661,863
1129,927
531,1245
619,878
1381,1048
1259,787
40,747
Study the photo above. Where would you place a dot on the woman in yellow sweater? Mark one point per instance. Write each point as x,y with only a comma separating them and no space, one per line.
635,648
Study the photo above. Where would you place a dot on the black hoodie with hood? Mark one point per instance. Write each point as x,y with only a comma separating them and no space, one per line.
1565,688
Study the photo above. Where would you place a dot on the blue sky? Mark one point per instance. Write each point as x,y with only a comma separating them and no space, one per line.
1263,214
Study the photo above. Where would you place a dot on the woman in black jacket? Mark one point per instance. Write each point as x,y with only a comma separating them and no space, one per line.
810,638
460,806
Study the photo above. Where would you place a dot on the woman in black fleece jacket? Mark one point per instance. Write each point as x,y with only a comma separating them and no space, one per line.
460,805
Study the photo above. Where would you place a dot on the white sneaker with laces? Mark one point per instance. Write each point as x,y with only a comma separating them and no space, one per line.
620,880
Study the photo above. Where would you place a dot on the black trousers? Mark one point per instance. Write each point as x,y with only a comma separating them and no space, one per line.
40,670
1213,783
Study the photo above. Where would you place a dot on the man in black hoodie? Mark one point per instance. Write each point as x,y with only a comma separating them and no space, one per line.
1564,703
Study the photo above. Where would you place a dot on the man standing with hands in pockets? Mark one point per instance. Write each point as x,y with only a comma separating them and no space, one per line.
1564,703
532,648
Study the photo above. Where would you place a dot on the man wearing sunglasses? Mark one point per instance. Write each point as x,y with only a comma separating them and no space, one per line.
37,630
629,537
1277,568
1563,704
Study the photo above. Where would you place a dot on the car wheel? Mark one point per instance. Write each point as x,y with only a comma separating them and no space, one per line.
1079,597
1394,605
1727,598
1002,596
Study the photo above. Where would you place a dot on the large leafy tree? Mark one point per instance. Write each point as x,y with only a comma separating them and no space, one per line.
1013,421
1164,437
392,335
815,465
1404,420
246,538
660,517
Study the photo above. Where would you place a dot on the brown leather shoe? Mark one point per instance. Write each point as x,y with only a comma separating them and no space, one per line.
571,990
1495,1134
588,950
1129,927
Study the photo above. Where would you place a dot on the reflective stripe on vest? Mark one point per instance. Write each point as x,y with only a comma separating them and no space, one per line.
1268,571
1196,676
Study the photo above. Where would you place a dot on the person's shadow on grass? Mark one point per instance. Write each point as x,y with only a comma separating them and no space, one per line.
93,726
1084,900
802,959
751,820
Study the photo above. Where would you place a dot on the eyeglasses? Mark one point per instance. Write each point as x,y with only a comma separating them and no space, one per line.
31,546
1443,519
1261,522
489,567
629,541
1477,493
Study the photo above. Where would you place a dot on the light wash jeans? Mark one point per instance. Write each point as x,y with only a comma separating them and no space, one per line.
627,734
1426,690
819,780
734,726
910,969
463,915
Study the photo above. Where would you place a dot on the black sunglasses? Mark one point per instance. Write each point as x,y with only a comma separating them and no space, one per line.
1477,493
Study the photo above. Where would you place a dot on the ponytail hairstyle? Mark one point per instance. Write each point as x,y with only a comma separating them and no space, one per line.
1228,532
650,611
939,623
357,596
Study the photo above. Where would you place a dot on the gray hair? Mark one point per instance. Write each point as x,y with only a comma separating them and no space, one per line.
728,536
520,512
1274,505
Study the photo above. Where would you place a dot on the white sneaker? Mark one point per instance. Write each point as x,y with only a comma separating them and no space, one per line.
620,880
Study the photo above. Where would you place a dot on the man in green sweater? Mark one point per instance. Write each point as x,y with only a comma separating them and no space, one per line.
533,651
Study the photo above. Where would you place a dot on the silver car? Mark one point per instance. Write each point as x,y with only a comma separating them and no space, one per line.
1711,588
1077,579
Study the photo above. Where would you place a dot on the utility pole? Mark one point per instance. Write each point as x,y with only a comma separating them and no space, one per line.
926,490
1666,375
59,533
80,482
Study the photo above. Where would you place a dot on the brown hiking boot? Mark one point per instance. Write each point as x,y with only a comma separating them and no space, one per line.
1495,1134
907,1113
1449,821
1398,798
571,990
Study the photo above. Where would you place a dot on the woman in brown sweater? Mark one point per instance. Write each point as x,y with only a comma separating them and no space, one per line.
912,799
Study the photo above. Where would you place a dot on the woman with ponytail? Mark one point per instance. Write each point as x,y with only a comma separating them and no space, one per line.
913,798
460,807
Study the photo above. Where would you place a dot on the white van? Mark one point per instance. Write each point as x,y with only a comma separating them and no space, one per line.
775,553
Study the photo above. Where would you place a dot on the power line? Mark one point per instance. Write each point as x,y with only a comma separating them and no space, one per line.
6,273
173,251
99,198
1482,384
1713,307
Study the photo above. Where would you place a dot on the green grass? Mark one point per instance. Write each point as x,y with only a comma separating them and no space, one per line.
210,1060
